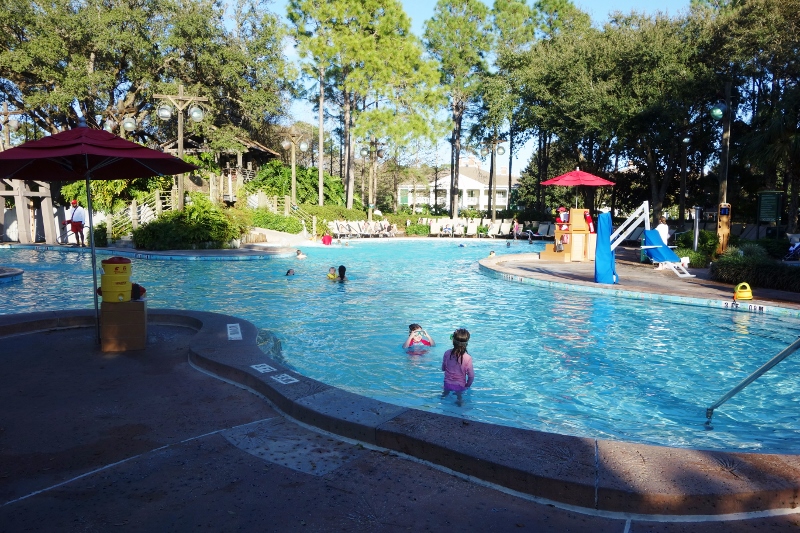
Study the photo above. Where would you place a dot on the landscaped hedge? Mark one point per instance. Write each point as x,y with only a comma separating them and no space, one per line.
264,218
757,271
418,229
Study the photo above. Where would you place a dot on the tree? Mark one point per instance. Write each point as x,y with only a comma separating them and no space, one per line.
353,40
459,38
105,60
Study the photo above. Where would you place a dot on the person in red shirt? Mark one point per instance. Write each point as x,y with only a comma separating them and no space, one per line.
327,239
415,336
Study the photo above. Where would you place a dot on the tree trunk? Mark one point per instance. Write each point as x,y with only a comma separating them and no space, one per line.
348,159
458,115
321,136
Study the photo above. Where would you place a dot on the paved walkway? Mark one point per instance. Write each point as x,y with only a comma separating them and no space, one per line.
151,441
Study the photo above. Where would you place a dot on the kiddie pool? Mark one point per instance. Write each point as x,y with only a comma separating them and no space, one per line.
556,361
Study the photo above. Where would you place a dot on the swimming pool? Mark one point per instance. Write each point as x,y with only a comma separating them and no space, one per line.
557,361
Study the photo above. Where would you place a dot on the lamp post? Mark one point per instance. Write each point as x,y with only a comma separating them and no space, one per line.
294,141
180,101
8,124
374,149
492,146
682,209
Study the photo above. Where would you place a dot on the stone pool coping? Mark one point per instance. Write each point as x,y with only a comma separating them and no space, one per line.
589,473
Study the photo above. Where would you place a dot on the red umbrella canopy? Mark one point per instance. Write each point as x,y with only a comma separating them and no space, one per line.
84,153
578,177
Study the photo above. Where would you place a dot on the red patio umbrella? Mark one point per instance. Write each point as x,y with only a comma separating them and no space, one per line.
86,154
578,177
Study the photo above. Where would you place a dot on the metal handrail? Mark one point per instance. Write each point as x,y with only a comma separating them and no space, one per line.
752,377
642,214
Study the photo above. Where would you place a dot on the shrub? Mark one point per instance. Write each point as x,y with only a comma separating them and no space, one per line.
761,272
751,249
776,248
264,218
418,229
696,259
201,224
707,242
100,235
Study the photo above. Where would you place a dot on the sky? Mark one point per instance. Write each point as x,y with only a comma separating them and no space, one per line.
421,10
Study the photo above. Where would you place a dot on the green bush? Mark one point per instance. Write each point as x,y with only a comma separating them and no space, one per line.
762,272
707,242
696,259
264,218
100,235
776,248
201,224
483,230
418,229
751,249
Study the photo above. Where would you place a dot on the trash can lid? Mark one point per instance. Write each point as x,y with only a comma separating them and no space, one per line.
116,261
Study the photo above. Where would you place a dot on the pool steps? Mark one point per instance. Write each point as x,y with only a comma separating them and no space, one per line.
584,472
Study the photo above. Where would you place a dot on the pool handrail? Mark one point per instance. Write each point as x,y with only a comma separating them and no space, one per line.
752,377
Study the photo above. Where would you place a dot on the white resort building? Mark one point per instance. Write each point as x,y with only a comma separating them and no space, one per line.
473,186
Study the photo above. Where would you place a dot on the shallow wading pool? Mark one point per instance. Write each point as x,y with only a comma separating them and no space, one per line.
558,361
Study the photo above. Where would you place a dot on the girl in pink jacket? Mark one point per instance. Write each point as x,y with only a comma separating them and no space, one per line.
457,366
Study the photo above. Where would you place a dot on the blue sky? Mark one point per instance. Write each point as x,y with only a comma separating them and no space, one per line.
421,10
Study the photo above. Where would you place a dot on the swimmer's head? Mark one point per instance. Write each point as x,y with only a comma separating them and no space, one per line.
414,327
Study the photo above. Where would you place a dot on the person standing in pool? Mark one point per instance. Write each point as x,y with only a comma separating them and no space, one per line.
457,366
342,271
416,337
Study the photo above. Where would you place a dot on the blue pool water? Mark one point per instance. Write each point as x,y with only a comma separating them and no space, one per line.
553,360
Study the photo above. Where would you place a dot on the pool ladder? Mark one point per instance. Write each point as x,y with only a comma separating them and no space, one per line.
752,377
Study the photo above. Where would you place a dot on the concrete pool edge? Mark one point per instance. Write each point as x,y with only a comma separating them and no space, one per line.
503,267
593,474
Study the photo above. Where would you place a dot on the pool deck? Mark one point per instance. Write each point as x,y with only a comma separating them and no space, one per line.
159,439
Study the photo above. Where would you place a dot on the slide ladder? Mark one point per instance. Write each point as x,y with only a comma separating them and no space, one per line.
642,214
752,377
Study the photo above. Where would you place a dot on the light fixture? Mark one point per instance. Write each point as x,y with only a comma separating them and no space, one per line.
381,153
718,111
501,150
364,151
303,146
164,112
196,113
484,151
286,144
129,124
13,124
109,126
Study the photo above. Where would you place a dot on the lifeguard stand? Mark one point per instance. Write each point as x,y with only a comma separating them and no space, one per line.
573,241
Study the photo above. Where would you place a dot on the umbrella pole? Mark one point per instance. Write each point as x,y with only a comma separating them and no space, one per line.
94,259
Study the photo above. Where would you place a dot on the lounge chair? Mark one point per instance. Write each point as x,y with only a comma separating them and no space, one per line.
494,229
505,229
660,253
435,229
542,231
472,229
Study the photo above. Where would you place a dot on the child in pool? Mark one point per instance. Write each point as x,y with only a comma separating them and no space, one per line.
332,273
415,336
457,366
